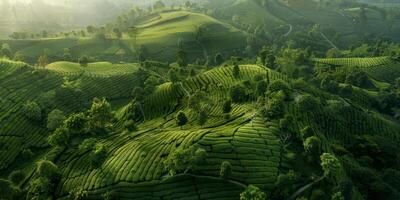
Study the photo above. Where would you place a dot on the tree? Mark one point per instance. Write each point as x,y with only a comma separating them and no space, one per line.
130,126
203,117
100,116
83,61
19,56
330,165
279,85
55,119
182,160
181,119
226,169
337,196
121,53
306,132
47,169
261,87
333,53
91,29
253,193
182,58
227,106
32,111
218,59
67,54
274,106
7,190
42,61
158,5
98,155
138,94
236,71
308,103
173,75
312,146
6,50
238,93
117,32
16,177
60,137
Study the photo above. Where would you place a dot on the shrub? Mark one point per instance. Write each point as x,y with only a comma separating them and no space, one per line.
130,126
182,160
16,177
236,71
181,119
306,132
261,87
312,146
7,190
55,119
253,193
87,144
227,106
47,169
238,93
100,116
337,196
203,117
226,169
32,111
308,103
330,165
98,155
279,85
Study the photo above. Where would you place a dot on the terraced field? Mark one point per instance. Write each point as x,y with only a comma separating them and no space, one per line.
380,68
20,83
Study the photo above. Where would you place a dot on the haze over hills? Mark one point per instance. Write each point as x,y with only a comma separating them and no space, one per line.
220,100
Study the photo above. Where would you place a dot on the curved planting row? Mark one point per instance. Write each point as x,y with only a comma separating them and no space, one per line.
355,62
133,160
184,187
252,149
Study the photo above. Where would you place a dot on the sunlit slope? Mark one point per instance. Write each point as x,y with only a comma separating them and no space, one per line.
197,33
380,68
20,83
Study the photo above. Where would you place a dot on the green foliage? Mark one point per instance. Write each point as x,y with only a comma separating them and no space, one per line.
60,137
138,94
329,84
5,50
40,188
279,85
308,103
218,59
312,146
203,117
306,132
262,87
337,196
88,144
274,106
19,56
173,75
16,177
226,169
84,60
32,111
236,71
48,170
100,116
78,194
182,160
130,126
55,119
227,106
238,93
181,119
7,190
285,183
98,155
330,165
253,193
182,58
